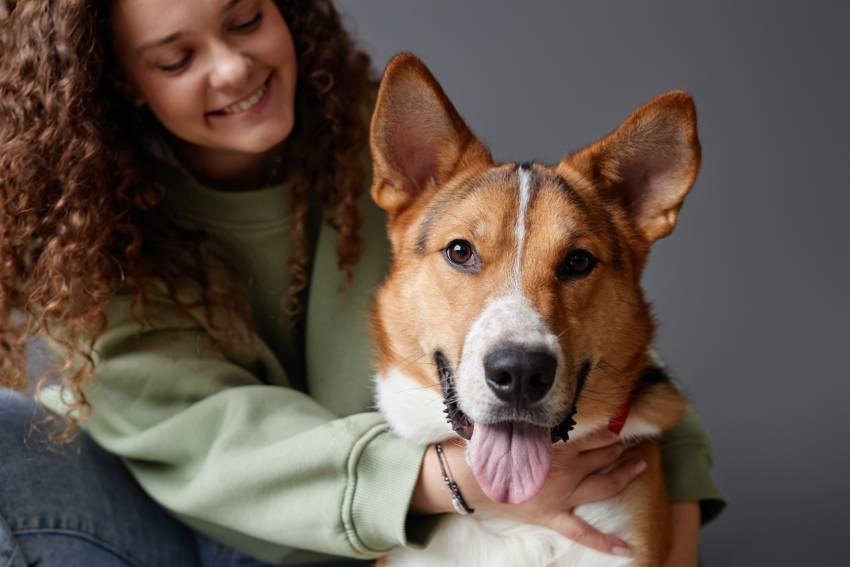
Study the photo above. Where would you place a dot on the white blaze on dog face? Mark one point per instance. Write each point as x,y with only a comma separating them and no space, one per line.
526,187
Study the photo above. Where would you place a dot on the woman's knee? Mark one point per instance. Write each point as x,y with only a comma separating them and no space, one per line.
25,439
41,471
50,491
38,472
17,411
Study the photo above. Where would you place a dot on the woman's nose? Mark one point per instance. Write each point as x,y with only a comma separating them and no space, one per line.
230,67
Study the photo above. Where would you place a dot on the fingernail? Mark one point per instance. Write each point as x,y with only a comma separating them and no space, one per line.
621,551
640,467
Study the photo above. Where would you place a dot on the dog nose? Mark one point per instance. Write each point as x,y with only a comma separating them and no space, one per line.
519,375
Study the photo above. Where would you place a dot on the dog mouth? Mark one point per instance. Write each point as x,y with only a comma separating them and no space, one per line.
460,422
464,426
510,459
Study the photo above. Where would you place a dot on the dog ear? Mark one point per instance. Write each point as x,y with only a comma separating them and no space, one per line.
417,137
649,162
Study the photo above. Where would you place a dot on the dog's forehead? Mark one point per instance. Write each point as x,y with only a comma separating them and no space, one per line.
562,212
499,195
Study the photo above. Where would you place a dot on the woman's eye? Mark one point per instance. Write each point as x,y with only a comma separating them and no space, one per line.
177,65
578,263
249,24
461,255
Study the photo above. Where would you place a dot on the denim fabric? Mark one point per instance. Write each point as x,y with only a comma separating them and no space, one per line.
75,505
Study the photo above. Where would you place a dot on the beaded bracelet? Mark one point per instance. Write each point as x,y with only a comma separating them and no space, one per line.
458,502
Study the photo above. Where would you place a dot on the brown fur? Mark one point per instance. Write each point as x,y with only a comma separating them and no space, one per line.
614,199
646,497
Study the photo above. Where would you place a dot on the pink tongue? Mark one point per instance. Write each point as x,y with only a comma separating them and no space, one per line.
510,460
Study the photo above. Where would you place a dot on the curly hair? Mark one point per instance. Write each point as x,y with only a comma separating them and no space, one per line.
78,225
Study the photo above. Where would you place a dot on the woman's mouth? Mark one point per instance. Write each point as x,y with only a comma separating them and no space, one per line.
248,103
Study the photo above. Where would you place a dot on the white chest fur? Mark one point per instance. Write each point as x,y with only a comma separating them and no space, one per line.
416,413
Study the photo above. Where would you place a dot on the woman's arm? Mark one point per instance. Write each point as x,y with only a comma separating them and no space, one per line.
262,468
687,457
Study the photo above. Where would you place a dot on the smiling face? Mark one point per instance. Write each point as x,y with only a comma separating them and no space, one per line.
218,74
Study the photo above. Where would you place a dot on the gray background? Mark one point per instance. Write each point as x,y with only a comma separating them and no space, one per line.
750,291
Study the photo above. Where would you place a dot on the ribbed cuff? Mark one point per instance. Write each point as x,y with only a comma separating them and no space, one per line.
382,470
688,479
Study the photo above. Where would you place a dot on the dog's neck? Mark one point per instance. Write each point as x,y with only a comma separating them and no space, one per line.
616,423
651,374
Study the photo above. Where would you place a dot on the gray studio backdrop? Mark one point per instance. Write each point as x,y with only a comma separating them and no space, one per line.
751,288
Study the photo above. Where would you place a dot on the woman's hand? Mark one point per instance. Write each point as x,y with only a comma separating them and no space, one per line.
574,479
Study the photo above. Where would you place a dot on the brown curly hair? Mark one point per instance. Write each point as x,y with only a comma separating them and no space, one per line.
77,224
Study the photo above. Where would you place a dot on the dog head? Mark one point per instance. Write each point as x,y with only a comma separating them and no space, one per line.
515,289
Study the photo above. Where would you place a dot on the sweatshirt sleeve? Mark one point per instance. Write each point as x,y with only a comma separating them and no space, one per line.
687,458
262,468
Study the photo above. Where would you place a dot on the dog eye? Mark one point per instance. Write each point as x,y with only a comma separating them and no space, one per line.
578,263
461,255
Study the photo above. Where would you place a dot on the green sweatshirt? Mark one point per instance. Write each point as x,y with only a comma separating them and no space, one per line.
285,468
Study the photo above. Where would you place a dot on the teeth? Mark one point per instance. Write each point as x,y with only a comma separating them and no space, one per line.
246,103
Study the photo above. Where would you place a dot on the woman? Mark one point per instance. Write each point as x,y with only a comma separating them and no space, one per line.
160,160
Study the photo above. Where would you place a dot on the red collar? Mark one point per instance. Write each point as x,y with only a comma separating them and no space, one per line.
616,423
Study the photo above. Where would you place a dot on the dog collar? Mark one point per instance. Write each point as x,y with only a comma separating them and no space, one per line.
616,423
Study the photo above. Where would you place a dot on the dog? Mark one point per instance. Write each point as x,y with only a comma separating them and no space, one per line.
513,306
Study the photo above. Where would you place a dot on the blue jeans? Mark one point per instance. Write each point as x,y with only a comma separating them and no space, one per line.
75,505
